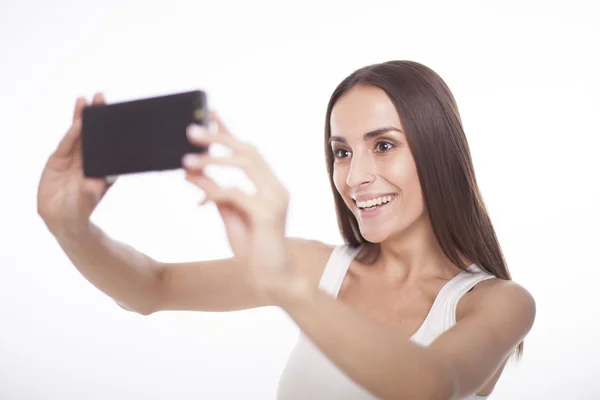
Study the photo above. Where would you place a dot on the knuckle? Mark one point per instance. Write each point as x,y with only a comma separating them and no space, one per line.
236,193
266,216
244,162
254,153
248,147
282,194
276,206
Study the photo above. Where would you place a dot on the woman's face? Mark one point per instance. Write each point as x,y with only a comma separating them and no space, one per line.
372,161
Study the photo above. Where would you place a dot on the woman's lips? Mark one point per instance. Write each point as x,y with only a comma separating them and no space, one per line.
377,211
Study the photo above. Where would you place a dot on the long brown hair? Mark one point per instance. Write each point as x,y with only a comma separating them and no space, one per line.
436,138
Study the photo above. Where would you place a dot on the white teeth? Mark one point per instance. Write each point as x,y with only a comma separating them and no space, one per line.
371,203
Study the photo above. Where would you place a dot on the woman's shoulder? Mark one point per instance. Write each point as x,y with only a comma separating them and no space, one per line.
494,293
310,256
497,287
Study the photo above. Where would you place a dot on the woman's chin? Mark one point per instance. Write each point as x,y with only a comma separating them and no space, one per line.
373,236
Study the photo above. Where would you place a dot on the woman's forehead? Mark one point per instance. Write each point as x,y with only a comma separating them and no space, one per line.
363,109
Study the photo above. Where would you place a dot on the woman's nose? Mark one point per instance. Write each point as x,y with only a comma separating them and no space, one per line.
360,173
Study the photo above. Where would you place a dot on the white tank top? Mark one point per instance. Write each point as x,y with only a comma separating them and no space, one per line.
309,374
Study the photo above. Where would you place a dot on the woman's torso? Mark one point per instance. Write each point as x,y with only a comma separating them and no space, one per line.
419,313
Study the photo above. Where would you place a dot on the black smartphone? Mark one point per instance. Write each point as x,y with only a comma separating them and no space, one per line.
142,135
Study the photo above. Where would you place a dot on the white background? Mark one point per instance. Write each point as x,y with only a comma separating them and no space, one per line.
525,75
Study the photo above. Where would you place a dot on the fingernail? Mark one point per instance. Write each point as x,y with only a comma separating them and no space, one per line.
191,160
196,131
213,127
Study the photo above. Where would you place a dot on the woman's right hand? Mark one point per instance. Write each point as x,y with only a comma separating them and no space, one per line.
66,199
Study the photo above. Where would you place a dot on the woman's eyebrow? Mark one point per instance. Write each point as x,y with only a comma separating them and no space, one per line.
367,136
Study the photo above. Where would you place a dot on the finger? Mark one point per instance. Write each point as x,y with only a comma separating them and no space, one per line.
199,136
218,122
263,180
96,186
70,140
107,182
200,179
220,196
232,197
80,104
203,182
98,98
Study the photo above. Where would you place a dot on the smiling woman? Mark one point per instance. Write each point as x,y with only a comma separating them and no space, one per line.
421,256
417,303
436,156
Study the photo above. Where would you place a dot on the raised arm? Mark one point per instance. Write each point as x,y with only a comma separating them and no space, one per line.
66,199
225,285
129,277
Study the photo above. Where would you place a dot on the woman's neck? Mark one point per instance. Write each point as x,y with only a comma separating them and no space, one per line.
415,254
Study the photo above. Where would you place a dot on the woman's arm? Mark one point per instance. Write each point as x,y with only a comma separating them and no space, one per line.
392,367
130,277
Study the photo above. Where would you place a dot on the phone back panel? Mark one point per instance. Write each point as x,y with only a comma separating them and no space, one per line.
141,135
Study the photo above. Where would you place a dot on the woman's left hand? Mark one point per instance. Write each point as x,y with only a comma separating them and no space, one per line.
255,224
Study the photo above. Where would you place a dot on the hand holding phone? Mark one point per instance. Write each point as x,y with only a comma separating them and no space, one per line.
65,197
141,135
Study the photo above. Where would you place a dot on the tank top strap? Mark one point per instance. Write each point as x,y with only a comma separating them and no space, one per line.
442,315
456,289
336,268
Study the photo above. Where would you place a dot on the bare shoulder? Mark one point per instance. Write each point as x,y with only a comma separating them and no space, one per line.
310,256
508,291
501,299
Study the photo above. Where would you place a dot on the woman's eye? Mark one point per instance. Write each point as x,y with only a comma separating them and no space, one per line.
382,147
390,146
338,153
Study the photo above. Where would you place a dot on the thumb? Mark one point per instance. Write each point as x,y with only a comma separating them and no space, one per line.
232,217
97,187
